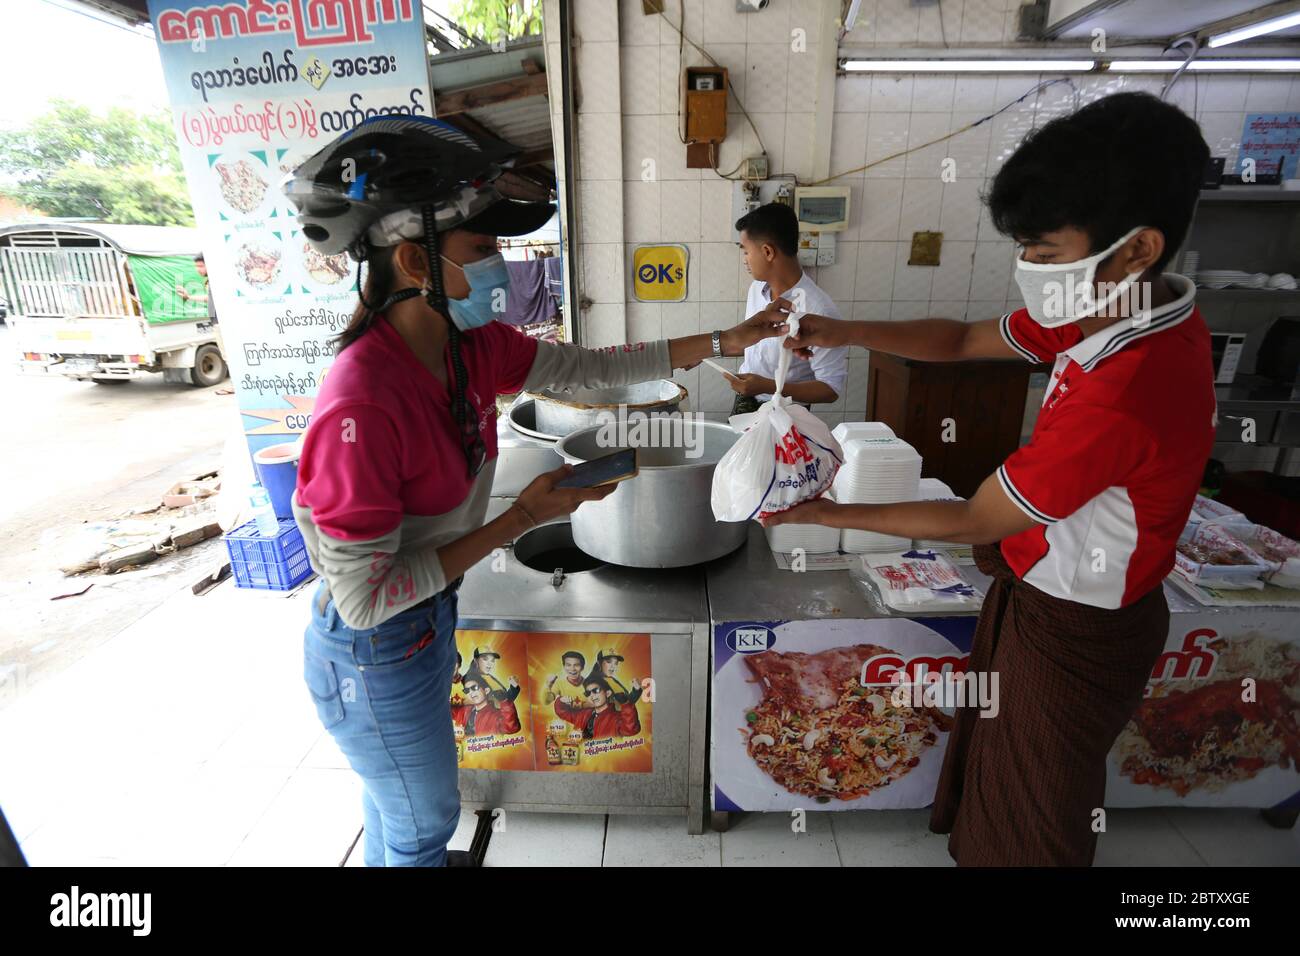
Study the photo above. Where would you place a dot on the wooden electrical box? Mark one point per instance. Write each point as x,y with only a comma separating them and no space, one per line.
706,114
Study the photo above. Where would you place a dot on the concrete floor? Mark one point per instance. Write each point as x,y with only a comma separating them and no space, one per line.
77,452
189,739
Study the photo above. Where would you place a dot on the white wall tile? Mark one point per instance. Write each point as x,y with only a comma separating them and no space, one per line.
1224,93
853,93
933,93
680,214
969,149
598,77
603,325
911,283
602,271
640,143
982,21
595,20
870,312
641,203
954,309
722,24
732,56
886,136
906,311
922,202
1011,86
897,22
680,318
880,211
848,145
980,310
722,315
717,273
768,26
1005,135
960,214
634,27
802,73
672,151
643,322
639,69
926,161
992,270
838,280
952,276
600,146
601,208
799,141
855,388
975,92
771,127
891,93
715,209
1268,94
1293,101
875,272
688,16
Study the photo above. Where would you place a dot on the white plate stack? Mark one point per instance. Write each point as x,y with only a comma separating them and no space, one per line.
876,471
932,489
812,538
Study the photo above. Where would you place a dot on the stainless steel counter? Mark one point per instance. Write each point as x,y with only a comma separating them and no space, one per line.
669,605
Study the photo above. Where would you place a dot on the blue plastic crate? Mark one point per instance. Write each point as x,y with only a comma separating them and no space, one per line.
277,563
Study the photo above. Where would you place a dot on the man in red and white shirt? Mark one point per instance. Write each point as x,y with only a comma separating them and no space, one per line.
1087,515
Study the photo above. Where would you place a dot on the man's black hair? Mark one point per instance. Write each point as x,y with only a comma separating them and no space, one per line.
582,661
1120,162
199,258
774,223
599,682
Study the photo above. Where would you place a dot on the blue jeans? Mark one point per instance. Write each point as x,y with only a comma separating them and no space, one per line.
384,695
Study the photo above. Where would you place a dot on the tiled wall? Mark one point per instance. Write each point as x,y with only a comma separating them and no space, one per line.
628,74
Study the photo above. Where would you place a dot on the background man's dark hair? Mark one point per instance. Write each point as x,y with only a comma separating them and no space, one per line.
199,258
598,682
1123,161
774,223
582,661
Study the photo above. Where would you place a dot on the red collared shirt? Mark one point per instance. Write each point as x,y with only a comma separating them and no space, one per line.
1117,453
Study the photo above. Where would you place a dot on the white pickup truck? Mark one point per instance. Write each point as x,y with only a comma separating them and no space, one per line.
103,302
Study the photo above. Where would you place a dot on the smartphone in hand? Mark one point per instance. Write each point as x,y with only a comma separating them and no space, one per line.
606,470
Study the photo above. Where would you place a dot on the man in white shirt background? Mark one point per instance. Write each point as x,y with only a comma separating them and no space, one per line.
769,241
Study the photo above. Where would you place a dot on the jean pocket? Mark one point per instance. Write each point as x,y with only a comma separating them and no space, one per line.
323,683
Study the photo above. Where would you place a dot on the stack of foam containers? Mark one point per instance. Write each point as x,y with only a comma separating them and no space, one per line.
878,469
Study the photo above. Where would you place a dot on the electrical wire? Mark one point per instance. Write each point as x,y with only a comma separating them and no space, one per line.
683,39
969,126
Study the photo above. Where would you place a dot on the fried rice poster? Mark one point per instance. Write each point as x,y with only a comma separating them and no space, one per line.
592,702
490,701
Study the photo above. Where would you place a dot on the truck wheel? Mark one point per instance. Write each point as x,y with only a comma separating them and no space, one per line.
209,366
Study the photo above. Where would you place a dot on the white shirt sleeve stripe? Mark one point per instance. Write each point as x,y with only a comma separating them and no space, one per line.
1020,500
1004,326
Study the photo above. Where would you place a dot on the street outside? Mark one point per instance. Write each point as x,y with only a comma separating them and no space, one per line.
77,452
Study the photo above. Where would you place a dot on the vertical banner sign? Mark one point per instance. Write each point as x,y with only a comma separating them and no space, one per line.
256,87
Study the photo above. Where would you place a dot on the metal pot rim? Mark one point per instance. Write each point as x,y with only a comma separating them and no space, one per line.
557,400
564,452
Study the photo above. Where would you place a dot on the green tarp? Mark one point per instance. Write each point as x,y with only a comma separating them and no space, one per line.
156,279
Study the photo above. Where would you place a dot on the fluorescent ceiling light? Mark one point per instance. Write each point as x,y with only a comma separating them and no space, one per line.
1271,25
969,66
1201,66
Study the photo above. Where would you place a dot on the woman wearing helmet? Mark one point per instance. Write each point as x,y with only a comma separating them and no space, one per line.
397,465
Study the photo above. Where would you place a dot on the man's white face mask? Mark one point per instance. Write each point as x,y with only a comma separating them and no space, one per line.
1057,293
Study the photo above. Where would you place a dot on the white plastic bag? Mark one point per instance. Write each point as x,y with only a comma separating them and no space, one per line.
785,457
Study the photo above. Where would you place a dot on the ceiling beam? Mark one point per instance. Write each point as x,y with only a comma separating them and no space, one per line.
448,102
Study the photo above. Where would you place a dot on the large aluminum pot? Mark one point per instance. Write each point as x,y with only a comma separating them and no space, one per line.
563,413
662,518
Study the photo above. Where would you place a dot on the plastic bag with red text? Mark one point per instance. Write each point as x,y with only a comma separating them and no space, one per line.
787,456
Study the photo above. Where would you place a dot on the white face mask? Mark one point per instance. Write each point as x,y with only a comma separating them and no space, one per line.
1057,293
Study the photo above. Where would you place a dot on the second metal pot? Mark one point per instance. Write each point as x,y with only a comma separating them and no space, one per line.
662,518
563,413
